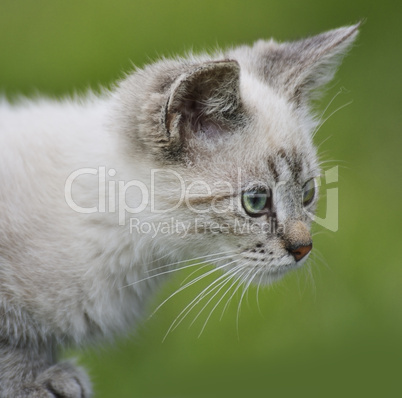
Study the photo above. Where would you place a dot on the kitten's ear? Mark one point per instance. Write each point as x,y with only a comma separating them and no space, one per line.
203,100
298,68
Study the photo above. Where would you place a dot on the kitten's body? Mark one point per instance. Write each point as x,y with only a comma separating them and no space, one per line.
239,117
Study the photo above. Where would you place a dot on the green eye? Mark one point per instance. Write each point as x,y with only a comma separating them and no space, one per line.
308,192
256,202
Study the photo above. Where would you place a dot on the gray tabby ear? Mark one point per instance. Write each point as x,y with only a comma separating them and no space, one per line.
203,99
297,68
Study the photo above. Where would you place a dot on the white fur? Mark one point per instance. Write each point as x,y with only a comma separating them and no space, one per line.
72,264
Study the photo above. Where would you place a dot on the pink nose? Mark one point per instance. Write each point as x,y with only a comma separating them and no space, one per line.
298,252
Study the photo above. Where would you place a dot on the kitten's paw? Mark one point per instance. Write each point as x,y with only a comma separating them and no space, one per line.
65,380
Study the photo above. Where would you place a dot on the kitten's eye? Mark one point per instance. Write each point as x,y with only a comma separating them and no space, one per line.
308,192
257,201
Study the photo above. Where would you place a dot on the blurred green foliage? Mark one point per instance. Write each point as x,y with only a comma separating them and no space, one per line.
336,333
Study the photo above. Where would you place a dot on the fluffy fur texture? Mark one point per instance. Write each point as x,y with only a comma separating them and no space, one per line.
75,256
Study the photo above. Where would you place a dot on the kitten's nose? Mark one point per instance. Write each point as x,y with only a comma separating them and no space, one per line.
299,251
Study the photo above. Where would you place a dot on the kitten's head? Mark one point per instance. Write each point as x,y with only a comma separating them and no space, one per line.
234,134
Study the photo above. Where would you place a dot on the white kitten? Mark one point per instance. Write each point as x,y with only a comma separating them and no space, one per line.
209,157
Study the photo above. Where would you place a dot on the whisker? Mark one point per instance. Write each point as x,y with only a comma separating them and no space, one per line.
191,259
257,269
215,260
329,104
335,111
183,314
324,141
245,287
228,276
173,270
192,282
320,257
258,294
311,278
238,280
194,272
327,161
216,305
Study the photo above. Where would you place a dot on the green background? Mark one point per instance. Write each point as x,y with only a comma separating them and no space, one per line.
337,332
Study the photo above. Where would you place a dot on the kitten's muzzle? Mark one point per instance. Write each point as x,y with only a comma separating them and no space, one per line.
297,240
299,251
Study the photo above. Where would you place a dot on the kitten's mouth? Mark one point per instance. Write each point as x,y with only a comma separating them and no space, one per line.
276,271
295,264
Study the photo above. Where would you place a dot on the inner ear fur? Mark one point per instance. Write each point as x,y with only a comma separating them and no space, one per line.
207,95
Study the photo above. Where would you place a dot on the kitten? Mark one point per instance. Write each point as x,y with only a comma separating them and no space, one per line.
208,158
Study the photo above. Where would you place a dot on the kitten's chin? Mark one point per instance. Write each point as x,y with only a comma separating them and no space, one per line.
276,272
